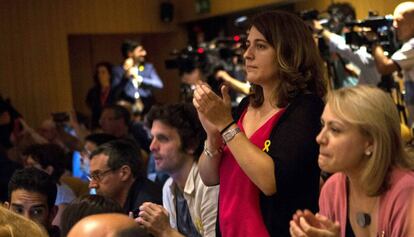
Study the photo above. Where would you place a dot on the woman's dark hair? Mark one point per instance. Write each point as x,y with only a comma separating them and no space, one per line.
108,67
299,64
85,206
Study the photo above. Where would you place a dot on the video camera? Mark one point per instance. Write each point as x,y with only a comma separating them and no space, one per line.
332,19
222,53
381,25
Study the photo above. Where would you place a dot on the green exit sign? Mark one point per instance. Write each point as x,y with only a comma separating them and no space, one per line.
202,6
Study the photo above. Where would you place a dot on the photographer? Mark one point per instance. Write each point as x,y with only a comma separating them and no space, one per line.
135,78
403,59
196,77
216,62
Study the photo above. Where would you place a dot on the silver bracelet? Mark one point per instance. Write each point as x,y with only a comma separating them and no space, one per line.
209,153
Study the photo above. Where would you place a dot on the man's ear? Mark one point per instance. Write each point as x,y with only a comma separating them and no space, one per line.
191,148
190,151
6,205
125,172
49,169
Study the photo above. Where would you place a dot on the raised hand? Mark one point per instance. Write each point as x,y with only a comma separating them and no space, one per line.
213,108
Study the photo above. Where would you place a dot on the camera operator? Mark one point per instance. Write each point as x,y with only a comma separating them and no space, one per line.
403,59
196,76
339,71
361,62
368,73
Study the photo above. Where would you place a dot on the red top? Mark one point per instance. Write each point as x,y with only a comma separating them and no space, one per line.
239,206
104,95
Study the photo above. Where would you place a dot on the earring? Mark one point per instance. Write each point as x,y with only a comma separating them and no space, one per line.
368,153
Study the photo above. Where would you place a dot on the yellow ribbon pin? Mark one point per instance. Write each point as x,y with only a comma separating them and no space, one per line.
266,146
199,225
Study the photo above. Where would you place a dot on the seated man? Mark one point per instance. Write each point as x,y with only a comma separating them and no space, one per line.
118,172
107,225
92,141
176,145
116,120
32,194
49,158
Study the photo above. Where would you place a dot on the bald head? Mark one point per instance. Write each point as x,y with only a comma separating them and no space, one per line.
107,225
404,8
403,20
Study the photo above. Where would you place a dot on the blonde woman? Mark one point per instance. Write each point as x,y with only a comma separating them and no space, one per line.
373,184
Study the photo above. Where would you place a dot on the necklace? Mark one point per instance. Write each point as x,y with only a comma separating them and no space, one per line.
363,219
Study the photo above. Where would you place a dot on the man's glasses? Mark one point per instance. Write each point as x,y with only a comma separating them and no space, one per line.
98,175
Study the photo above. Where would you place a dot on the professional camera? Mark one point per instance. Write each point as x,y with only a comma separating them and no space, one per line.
222,53
333,19
380,25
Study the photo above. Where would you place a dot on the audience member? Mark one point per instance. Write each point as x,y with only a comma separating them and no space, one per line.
268,167
115,120
85,206
118,172
107,225
92,141
32,194
176,145
101,93
373,185
49,158
361,58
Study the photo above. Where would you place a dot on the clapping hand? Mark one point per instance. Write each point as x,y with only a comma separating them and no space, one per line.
306,224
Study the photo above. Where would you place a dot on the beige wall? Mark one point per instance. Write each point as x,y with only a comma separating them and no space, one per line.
35,67
34,62
220,7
